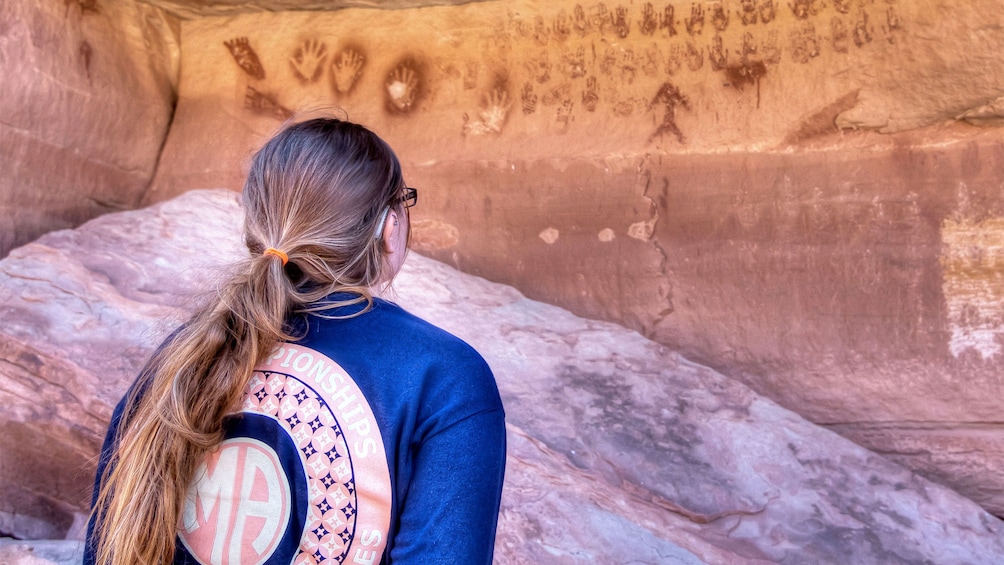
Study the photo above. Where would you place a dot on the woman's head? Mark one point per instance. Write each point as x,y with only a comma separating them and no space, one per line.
318,192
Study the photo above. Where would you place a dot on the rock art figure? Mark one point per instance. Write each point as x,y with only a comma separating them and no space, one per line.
540,31
265,105
749,47
650,65
695,57
628,67
623,108
308,60
346,69
540,67
717,54
493,115
668,20
556,94
842,6
747,13
893,23
719,17
608,61
603,19
561,27
574,62
669,98
245,57
840,35
471,71
649,20
674,61
800,8
621,24
522,28
862,32
580,22
402,86
528,99
590,96
767,11
771,49
695,23
564,115
804,43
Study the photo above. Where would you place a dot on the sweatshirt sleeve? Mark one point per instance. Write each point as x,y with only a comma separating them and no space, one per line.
450,512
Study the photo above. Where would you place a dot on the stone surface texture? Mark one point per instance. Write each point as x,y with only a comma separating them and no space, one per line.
802,195
613,437
805,196
86,98
49,552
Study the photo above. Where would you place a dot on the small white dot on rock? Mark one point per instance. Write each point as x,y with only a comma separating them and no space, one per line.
606,235
550,235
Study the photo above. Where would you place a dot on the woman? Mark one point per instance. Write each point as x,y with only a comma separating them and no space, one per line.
296,418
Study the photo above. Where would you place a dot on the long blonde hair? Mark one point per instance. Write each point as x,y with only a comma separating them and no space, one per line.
315,192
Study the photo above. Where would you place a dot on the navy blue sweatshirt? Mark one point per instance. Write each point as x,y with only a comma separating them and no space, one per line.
374,439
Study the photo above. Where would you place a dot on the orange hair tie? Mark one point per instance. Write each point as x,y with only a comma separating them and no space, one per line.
276,253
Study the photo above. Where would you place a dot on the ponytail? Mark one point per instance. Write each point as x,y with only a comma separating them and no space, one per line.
195,380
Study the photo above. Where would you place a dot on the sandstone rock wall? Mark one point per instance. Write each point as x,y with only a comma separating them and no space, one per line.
86,97
620,450
804,195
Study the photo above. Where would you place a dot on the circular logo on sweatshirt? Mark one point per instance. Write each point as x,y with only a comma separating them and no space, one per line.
244,503
301,478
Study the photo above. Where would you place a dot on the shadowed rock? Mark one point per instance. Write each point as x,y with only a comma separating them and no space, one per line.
613,438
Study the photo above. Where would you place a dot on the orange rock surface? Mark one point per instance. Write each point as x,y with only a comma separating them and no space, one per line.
805,196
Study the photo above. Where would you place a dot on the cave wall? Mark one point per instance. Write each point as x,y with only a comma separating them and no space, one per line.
85,101
806,196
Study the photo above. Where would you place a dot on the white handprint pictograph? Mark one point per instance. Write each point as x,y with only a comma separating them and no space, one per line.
402,85
493,116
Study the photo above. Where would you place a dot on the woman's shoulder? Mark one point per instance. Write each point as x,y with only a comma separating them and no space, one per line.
389,332
419,328
442,350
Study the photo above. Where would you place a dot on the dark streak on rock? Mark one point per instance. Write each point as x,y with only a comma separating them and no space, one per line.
822,122
738,76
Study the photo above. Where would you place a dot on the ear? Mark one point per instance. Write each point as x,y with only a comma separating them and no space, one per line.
390,227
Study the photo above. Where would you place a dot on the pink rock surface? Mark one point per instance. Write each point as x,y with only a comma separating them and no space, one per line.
50,552
86,99
797,197
803,195
621,451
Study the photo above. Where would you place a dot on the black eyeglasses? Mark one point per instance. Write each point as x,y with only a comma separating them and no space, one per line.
410,197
